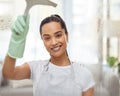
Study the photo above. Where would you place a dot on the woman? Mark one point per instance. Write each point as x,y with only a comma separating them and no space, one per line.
57,76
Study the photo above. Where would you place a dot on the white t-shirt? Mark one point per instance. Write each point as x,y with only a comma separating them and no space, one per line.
83,77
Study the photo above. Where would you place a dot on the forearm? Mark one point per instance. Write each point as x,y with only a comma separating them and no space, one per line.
8,67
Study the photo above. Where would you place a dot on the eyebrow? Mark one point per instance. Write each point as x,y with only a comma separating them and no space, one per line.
58,32
54,33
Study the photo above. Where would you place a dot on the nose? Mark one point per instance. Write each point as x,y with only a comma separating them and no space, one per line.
53,41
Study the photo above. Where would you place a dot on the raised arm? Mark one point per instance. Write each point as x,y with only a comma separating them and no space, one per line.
15,73
16,50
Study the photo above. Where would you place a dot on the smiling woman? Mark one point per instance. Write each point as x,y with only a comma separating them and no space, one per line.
54,38
57,75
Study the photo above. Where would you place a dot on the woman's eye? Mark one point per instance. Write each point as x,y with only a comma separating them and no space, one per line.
46,38
58,35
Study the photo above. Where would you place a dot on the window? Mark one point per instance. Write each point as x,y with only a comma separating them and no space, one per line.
111,34
84,38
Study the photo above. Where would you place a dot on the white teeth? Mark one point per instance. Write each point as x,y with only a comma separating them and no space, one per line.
56,48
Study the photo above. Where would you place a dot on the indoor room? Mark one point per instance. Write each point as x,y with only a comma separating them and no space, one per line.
93,41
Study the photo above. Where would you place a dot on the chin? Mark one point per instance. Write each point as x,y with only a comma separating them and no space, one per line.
56,55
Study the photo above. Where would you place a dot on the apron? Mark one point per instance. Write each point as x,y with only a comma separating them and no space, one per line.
65,87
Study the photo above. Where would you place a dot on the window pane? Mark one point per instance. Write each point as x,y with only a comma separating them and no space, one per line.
84,43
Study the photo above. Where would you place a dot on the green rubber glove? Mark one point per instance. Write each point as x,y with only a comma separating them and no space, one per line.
18,38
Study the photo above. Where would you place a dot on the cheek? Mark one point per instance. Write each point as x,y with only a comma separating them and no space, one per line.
65,39
46,45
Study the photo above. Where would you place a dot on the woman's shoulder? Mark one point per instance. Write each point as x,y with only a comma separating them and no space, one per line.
83,75
79,66
37,63
81,69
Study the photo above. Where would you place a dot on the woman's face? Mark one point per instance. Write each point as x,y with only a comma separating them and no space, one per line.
54,38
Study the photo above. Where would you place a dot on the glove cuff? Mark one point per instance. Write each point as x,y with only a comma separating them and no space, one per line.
16,50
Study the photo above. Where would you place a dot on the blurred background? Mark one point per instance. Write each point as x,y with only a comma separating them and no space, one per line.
93,27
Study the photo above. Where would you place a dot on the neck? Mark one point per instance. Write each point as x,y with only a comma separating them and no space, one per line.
60,61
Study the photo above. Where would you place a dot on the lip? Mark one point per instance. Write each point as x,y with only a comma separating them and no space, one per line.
56,48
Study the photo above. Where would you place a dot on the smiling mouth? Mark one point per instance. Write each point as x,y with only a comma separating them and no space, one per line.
56,48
